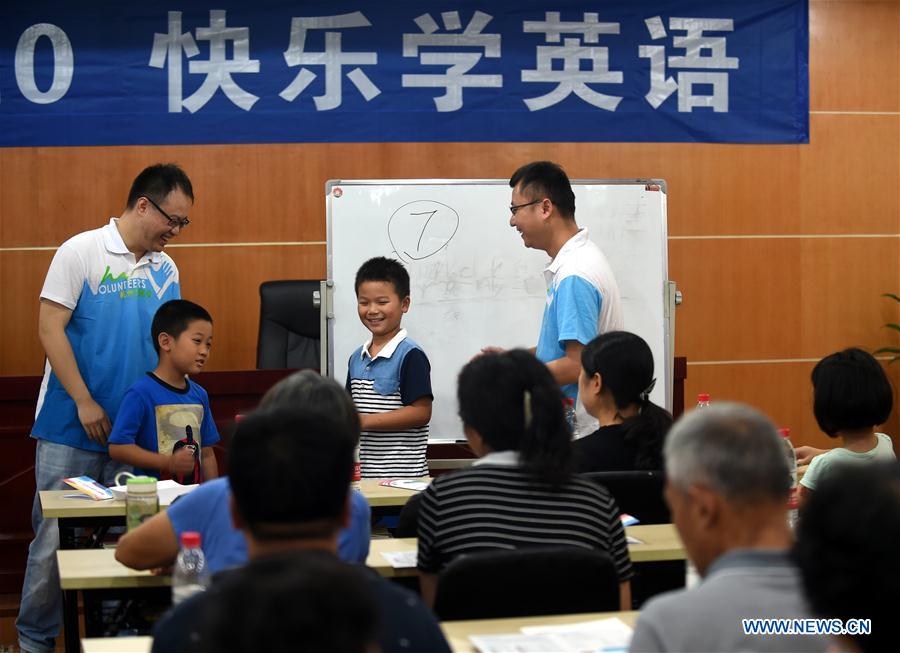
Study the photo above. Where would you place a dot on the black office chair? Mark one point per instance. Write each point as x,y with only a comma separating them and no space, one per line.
527,582
408,521
289,327
638,493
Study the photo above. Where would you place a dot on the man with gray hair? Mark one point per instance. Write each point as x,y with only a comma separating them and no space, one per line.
727,486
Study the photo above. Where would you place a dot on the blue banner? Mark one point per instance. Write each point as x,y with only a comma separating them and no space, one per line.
122,73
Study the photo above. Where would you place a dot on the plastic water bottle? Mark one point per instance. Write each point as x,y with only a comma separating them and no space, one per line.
357,468
703,400
569,412
793,502
190,568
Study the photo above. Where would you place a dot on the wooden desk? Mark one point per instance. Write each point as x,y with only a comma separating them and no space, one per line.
86,569
458,632
380,564
380,496
55,504
660,543
98,569
82,570
117,645
74,513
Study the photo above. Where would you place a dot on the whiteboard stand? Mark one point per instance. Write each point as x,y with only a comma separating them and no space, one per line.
326,312
673,298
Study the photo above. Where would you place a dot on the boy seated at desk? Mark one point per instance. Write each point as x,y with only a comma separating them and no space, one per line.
206,510
164,424
389,376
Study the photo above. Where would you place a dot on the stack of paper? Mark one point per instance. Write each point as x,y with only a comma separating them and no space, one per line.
167,491
607,635
170,490
401,559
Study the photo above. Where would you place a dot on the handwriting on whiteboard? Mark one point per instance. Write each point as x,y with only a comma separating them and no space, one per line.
461,277
421,229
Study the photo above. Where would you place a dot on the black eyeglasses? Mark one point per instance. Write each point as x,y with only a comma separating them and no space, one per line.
181,223
515,207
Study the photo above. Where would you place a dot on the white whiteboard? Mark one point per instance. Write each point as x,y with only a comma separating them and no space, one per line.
472,281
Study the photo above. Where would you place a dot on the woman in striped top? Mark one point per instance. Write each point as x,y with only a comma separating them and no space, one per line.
521,492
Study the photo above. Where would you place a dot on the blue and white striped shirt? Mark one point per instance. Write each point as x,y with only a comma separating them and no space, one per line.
396,377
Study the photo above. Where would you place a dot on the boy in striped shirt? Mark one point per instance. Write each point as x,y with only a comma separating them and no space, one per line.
389,377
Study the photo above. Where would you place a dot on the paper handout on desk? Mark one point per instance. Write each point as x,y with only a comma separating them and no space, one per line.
405,483
170,490
605,635
401,559
167,491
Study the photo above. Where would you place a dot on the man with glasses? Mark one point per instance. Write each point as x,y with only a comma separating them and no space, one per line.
582,294
97,304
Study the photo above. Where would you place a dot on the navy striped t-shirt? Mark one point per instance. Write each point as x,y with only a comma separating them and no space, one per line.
396,377
489,507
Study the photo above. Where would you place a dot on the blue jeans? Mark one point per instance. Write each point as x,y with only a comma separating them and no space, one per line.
41,606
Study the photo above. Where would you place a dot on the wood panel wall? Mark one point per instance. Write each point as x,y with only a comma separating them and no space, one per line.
781,251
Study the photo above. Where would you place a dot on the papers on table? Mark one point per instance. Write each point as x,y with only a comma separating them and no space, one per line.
401,559
89,487
405,483
167,491
633,540
605,635
517,644
170,490
78,496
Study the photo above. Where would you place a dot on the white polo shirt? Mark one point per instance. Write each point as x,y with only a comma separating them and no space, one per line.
582,301
113,299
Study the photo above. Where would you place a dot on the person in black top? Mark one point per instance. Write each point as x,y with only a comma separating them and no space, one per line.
846,553
615,385
289,602
290,471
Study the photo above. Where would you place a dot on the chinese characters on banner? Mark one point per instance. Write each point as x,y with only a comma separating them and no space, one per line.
654,70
